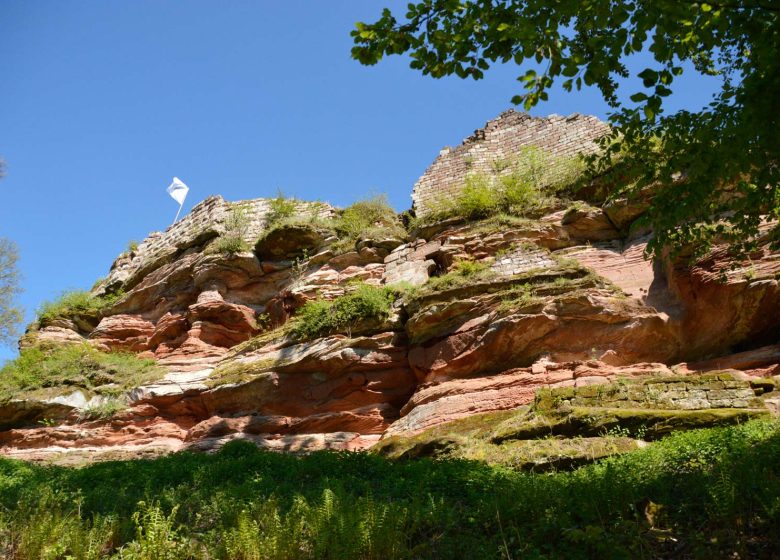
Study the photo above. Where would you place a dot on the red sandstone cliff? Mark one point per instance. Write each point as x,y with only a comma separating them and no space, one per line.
561,299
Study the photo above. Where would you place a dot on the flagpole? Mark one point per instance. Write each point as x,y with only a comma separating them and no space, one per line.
177,214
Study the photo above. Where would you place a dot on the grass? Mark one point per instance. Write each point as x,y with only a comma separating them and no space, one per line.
344,314
73,303
106,409
517,297
233,240
462,273
711,493
371,217
280,208
41,372
522,187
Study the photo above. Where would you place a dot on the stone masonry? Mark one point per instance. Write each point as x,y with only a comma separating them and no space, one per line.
522,259
501,140
205,221
715,390
411,263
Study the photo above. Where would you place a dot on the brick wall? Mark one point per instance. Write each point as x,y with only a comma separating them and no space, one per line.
502,139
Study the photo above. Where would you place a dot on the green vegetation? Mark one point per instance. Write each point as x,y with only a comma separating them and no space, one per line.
132,246
518,297
531,184
76,303
462,273
711,493
10,313
371,218
713,171
233,240
475,438
346,313
106,409
40,372
280,208
368,218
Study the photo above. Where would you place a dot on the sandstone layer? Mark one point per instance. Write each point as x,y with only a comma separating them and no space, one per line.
563,299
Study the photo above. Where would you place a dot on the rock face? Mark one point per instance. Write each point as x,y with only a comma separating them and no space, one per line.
564,300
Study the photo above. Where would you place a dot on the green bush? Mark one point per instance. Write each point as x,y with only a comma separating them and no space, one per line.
38,371
75,302
462,273
104,410
280,208
229,245
369,218
345,313
711,493
233,240
522,187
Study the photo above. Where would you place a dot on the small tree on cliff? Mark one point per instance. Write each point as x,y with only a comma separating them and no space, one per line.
713,174
10,315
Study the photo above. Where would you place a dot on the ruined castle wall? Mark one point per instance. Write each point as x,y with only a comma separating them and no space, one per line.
502,140
205,221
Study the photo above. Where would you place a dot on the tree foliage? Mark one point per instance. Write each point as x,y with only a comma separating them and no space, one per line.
10,314
712,174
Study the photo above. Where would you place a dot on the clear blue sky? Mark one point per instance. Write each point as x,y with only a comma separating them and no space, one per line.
103,102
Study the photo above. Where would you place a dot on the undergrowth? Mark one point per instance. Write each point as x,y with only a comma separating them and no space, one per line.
37,371
75,302
524,186
711,493
233,240
345,313
462,273
371,218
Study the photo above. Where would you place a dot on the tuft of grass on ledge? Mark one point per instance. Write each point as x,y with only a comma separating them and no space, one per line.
344,314
38,372
75,302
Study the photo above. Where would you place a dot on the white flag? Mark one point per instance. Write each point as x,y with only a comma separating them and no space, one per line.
178,190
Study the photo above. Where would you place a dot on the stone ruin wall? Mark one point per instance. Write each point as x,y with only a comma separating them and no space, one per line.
503,139
206,220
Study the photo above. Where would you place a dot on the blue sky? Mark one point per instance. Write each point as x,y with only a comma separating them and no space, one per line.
103,102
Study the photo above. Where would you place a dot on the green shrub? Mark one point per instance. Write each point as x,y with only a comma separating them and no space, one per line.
157,536
106,409
132,246
280,208
233,240
478,199
523,187
75,302
229,245
462,273
711,493
365,215
36,370
369,218
345,313
48,529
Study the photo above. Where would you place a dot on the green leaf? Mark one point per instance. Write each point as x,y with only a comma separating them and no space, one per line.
649,77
